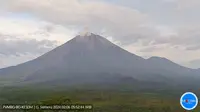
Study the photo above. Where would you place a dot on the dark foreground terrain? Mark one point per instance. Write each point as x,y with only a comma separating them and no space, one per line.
102,100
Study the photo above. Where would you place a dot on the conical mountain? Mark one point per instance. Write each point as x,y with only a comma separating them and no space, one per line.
92,58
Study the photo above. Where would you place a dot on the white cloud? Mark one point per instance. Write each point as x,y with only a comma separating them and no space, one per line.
35,29
118,21
22,40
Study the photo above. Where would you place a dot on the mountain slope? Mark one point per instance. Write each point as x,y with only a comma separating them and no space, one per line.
92,58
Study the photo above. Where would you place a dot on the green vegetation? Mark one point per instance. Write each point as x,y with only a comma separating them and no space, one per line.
102,100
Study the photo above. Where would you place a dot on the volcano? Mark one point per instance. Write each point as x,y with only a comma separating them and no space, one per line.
93,59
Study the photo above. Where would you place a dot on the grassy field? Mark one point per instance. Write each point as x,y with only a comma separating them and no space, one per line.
102,100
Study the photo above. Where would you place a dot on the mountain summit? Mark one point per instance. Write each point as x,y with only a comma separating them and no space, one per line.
91,53
91,58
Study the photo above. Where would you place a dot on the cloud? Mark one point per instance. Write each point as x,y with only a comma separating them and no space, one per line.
193,48
184,4
186,37
194,63
150,49
125,24
15,46
23,39
11,60
35,29
187,4
22,36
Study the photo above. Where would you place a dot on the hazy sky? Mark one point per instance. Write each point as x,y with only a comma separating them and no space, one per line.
165,28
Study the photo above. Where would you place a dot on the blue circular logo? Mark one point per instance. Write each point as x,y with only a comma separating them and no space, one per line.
189,101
